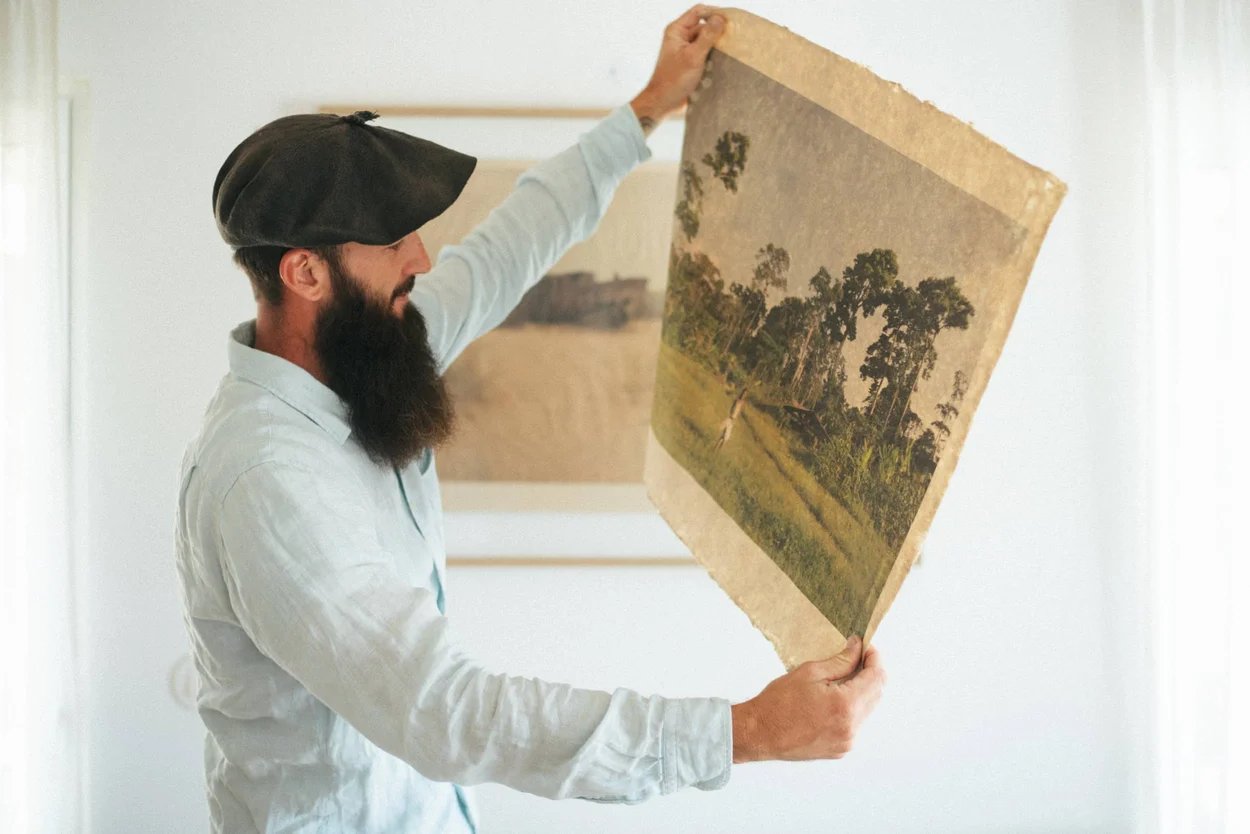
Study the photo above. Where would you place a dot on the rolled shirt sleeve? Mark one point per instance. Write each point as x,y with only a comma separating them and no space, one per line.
555,203
314,590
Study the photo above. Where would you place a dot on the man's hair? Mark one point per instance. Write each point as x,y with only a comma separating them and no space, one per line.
261,265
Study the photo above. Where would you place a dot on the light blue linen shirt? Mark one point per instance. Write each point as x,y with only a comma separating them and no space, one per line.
332,688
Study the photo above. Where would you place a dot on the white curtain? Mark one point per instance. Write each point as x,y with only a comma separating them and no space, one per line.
1199,96
39,717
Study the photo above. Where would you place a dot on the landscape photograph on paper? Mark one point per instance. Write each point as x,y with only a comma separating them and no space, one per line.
828,303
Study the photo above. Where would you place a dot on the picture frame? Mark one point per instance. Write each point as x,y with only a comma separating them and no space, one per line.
489,521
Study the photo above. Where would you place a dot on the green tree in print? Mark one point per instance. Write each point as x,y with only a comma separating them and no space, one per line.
830,319
904,353
768,354
729,158
814,336
866,285
690,207
811,331
771,264
948,411
693,305
727,161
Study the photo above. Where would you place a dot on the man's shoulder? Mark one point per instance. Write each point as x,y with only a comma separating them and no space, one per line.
245,425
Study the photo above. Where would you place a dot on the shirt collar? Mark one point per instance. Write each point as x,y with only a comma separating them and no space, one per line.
287,381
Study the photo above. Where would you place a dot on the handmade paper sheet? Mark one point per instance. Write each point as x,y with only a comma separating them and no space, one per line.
846,262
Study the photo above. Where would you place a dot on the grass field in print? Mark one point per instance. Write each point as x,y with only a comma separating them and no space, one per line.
834,556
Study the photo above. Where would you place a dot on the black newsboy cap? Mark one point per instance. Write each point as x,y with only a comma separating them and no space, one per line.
319,179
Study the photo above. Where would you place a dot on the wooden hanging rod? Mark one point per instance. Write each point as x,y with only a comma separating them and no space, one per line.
477,112
570,562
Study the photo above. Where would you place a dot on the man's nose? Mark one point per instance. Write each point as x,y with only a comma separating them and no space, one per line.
423,257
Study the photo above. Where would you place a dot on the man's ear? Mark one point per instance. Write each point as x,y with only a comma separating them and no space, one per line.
305,274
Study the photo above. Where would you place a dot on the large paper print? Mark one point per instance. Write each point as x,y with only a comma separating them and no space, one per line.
846,262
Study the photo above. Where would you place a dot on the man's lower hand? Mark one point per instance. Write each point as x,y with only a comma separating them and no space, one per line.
811,712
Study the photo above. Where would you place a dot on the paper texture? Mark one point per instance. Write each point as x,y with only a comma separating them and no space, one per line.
846,262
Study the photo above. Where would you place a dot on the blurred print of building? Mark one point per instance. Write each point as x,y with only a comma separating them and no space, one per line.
577,298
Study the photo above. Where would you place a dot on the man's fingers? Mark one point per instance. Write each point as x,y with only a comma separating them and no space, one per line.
841,664
692,15
870,678
710,32
685,24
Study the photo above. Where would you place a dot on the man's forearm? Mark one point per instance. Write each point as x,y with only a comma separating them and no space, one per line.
555,203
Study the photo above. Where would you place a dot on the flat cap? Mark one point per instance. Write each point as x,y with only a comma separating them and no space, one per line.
319,179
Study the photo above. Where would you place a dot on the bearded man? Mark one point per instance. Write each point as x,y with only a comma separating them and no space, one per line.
309,531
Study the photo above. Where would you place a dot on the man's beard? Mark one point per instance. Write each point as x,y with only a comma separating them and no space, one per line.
383,369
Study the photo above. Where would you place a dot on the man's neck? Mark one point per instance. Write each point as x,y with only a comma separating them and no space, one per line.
276,335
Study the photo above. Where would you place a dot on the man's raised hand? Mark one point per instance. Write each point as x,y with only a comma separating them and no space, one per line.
683,51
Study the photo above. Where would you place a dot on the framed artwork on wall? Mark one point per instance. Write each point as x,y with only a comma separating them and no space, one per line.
554,405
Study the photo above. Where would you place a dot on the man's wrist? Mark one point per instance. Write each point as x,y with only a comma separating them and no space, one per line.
647,111
744,730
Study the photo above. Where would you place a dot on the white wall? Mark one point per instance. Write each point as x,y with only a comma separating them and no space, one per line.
1014,652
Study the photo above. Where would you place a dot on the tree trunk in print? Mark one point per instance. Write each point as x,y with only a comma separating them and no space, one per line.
800,365
733,329
914,374
874,394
